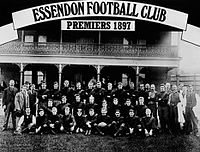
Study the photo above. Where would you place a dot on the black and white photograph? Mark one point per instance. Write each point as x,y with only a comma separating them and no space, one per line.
100,75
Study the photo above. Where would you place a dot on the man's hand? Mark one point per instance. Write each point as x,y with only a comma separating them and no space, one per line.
51,125
61,128
72,128
4,107
44,96
30,125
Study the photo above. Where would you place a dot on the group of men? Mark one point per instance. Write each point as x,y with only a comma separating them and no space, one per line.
101,109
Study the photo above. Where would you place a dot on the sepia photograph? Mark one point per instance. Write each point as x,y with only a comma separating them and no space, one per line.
99,75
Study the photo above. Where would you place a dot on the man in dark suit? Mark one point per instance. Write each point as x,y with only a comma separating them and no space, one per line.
8,104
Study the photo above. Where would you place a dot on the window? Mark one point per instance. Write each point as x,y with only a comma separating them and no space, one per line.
40,76
125,79
141,42
42,39
29,38
28,76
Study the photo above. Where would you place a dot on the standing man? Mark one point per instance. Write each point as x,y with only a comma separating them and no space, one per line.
151,102
191,121
32,99
163,108
173,110
21,102
8,104
43,95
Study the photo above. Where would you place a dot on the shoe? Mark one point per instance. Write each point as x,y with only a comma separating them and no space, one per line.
77,130
86,133
31,133
17,132
70,133
81,130
101,133
89,132
4,129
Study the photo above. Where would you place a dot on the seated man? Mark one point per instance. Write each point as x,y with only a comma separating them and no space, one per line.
79,121
117,125
103,122
133,124
26,123
68,122
90,120
149,123
54,121
41,122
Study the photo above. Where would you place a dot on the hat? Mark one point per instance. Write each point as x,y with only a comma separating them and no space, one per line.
26,82
119,83
41,109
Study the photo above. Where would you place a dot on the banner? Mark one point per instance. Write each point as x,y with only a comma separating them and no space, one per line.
192,34
90,8
7,33
97,25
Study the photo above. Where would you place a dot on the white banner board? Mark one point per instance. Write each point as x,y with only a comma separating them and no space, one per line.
97,25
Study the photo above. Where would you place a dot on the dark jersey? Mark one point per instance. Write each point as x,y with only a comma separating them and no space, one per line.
125,110
148,123
108,96
98,94
92,119
80,121
106,119
41,120
162,99
118,120
27,120
32,101
42,92
53,119
88,106
67,120
140,110
132,122
120,94
55,94
142,93
152,98
113,108
133,96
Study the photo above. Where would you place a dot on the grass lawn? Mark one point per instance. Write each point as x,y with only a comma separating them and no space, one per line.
80,142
